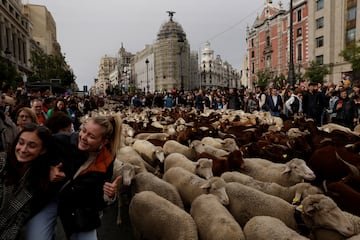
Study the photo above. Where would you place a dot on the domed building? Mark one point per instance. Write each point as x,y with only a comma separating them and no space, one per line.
172,57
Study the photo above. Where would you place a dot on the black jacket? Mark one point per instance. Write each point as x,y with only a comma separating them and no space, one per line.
345,114
80,202
80,199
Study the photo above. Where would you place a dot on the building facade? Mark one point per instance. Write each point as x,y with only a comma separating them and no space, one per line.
172,58
144,70
43,28
333,25
103,83
216,73
15,35
167,64
321,30
267,43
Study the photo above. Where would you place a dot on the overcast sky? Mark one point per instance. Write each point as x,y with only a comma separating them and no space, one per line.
88,30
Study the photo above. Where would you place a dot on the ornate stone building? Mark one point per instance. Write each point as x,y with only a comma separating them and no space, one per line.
165,65
215,73
172,57
321,30
43,28
106,66
15,34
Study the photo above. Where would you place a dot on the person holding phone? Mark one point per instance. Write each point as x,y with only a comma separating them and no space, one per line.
346,110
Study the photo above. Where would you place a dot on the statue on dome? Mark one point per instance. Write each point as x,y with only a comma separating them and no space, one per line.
171,14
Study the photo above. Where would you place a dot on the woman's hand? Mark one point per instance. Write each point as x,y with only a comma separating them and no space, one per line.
110,188
56,174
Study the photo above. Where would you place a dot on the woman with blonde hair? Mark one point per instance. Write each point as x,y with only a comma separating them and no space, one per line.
84,171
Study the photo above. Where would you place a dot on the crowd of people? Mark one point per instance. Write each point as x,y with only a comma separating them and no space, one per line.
324,103
51,165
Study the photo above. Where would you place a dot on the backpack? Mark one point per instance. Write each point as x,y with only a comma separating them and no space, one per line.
295,105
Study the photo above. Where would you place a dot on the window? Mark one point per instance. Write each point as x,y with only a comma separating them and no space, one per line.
252,54
299,15
350,35
351,14
299,52
320,23
299,32
267,41
319,41
252,42
319,4
320,59
268,61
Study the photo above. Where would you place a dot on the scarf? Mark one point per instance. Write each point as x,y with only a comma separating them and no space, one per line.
102,161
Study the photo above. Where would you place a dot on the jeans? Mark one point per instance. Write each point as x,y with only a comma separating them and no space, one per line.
42,225
275,114
90,235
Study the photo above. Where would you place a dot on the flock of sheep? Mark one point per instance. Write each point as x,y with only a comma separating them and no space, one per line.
175,194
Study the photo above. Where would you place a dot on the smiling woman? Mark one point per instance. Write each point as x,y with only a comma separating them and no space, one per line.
84,172
24,179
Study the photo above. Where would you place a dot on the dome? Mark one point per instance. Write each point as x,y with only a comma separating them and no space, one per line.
171,29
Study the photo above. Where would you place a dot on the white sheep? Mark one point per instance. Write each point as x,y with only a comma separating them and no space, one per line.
146,181
191,186
202,167
329,127
217,152
149,152
292,194
153,217
172,146
213,220
130,155
285,174
246,202
313,205
126,170
269,228
147,136
227,144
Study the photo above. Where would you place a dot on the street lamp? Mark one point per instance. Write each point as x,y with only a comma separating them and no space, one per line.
147,75
247,77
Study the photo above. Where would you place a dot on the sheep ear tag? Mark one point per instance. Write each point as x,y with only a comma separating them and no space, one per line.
296,199
300,208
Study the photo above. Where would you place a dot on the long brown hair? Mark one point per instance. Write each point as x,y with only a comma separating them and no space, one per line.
39,175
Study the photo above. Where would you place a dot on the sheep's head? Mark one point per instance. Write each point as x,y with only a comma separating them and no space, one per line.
216,186
321,211
298,170
127,171
203,168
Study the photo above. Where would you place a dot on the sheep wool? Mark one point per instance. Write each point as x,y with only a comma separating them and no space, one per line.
213,220
154,218
269,228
